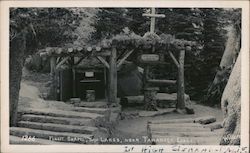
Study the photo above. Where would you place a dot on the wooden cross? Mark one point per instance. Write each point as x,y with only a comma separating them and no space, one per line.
153,15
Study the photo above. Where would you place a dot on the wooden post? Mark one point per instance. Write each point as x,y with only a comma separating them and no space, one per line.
112,77
181,89
53,77
146,76
150,98
73,77
74,82
105,83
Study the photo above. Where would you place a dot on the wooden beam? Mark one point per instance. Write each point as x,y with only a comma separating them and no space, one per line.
145,76
122,60
181,88
79,61
53,77
154,15
74,82
174,59
102,53
62,62
162,82
104,62
113,77
72,61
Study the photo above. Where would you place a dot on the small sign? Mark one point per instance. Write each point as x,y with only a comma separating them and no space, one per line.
89,74
145,58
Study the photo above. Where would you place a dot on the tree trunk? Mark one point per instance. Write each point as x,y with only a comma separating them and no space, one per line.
232,48
231,104
17,56
227,61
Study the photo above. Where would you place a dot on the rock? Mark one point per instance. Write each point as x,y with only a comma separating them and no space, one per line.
189,110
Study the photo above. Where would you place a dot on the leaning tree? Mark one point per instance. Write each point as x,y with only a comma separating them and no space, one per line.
231,106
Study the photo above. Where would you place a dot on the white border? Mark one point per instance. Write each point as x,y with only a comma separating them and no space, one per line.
4,31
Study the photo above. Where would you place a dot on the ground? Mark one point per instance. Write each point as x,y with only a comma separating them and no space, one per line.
133,123
136,127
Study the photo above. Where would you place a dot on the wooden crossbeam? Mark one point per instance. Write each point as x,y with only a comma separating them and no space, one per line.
174,59
102,53
79,61
163,82
58,59
62,62
122,60
154,15
103,61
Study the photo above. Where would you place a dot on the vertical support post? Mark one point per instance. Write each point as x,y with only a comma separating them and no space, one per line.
181,87
105,83
146,76
113,76
53,76
74,82
73,77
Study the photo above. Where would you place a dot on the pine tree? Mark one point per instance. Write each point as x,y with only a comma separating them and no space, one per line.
110,21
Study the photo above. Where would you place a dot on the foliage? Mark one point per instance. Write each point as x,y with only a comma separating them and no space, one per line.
203,29
54,26
110,21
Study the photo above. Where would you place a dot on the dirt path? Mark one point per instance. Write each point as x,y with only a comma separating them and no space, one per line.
137,127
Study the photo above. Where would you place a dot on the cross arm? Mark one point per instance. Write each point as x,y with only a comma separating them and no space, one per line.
121,61
103,61
174,59
62,62
154,15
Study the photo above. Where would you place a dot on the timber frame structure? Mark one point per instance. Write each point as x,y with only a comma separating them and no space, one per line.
107,55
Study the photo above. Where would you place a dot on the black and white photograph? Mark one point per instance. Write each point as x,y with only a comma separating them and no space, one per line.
125,76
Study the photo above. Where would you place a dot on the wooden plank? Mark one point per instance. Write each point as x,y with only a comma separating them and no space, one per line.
157,81
174,59
122,60
113,77
181,87
149,58
62,62
104,62
102,53
188,134
164,128
177,124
